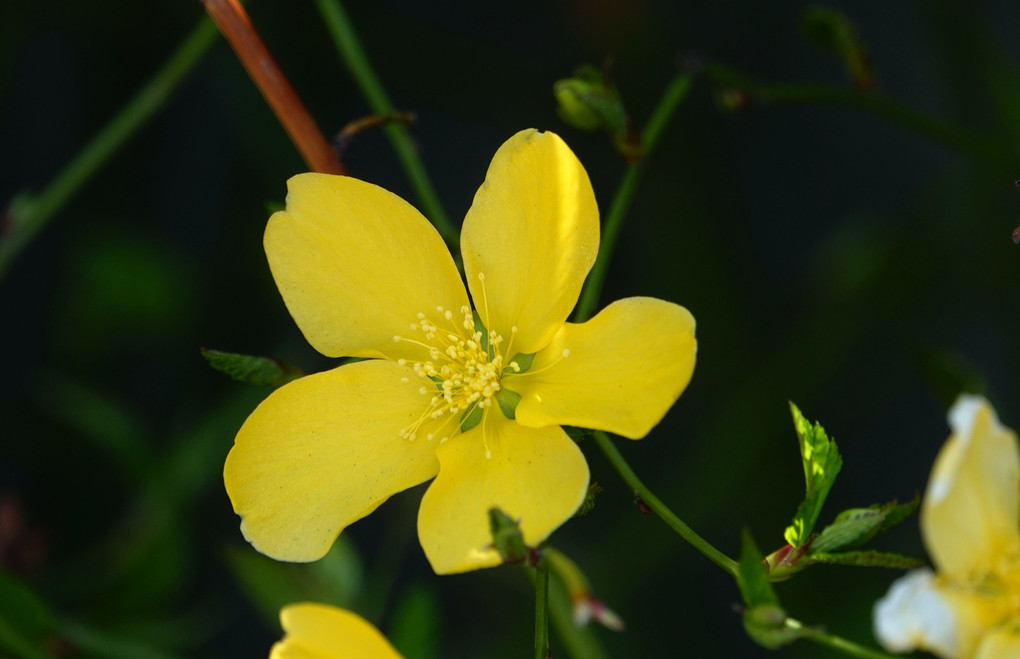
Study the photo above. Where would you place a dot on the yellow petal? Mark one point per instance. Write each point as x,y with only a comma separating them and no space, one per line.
625,368
322,452
317,631
533,231
970,511
1001,644
537,476
356,264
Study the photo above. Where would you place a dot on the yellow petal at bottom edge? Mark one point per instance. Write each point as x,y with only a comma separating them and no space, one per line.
621,372
317,631
322,452
537,476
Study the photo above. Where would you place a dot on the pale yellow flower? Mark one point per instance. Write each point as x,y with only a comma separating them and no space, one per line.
318,631
970,606
364,274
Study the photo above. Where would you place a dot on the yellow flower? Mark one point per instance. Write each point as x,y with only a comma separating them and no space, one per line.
365,275
318,631
970,608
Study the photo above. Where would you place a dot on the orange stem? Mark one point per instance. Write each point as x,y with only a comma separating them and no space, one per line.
236,27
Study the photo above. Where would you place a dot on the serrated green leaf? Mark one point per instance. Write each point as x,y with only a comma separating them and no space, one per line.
865,558
821,462
851,528
899,513
262,371
856,526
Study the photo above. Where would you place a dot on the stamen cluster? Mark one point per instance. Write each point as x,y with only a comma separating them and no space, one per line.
464,363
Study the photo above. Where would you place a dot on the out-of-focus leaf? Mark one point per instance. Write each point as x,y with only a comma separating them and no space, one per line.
764,619
415,626
269,585
101,419
835,32
95,643
822,462
25,619
262,371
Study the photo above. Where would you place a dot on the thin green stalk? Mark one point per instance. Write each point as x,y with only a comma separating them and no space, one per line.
354,57
838,643
541,610
671,99
953,137
28,214
577,642
659,508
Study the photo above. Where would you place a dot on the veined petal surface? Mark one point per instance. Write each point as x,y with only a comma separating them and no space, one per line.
537,476
317,631
533,231
971,508
322,452
356,264
625,368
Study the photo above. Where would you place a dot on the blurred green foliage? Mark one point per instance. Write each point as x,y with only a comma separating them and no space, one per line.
849,250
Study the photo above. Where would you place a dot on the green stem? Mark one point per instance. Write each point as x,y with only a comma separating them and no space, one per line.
354,57
953,137
671,98
838,643
659,508
28,214
541,610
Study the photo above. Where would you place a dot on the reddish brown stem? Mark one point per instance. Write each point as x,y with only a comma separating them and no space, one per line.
235,25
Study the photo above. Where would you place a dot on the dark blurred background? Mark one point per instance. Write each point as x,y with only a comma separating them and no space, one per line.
832,257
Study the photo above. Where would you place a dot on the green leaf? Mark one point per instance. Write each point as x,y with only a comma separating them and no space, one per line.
764,619
856,526
269,585
822,462
507,538
866,558
25,619
415,627
835,32
752,578
594,490
262,371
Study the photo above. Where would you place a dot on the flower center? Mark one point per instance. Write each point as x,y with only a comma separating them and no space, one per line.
465,364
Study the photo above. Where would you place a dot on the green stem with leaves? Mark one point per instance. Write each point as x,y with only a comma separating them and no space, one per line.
675,93
28,214
659,508
353,55
541,610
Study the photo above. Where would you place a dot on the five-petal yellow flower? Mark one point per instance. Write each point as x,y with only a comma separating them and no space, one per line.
318,631
365,275
970,608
